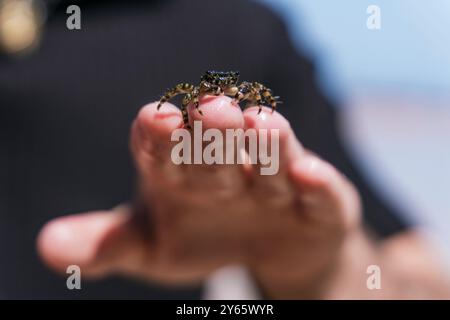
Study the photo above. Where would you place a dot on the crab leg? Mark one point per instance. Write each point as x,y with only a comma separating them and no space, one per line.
178,89
186,100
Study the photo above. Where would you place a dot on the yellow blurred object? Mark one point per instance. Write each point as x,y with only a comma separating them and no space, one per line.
20,25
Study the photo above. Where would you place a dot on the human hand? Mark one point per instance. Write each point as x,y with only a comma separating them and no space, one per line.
288,228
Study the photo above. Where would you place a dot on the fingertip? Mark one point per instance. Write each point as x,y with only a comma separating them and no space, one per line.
150,121
75,240
55,242
217,112
290,149
310,172
320,185
266,119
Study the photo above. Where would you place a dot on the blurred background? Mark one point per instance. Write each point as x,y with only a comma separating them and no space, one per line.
393,86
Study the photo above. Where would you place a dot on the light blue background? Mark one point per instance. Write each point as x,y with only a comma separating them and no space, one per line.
394,84
410,53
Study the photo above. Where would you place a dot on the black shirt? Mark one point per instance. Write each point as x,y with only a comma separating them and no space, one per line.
66,110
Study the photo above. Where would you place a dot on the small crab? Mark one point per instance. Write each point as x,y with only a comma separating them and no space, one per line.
217,83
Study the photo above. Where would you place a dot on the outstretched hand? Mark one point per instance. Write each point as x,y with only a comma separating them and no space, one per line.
288,228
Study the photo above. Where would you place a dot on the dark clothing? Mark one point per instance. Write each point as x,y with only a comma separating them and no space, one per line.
66,110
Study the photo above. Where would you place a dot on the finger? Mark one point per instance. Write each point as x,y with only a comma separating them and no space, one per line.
281,145
215,125
151,132
323,192
98,242
110,242
151,144
219,112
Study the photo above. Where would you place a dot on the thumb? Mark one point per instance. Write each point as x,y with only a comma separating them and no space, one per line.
98,242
